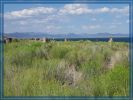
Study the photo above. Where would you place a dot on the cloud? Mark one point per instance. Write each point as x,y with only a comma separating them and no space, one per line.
75,9
124,10
29,12
86,27
101,10
78,9
68,9
116,23
52,28
49,19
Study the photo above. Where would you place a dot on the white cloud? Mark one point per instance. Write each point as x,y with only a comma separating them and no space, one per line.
114,25
124,10
50,19
87,27
69,9
78,9
45,19
101,10
75,9
29,12
51,28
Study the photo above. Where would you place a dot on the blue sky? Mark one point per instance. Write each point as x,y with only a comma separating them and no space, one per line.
66,18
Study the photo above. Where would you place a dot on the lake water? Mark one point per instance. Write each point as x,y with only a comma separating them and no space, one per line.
121,39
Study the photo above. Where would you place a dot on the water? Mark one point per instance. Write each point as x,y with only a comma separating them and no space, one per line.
119,39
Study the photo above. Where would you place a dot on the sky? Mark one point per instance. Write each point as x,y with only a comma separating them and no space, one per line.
66,18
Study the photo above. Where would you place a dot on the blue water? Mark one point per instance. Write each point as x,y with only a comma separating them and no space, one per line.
120,39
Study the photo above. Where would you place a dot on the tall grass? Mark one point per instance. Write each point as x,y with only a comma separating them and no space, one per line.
39,69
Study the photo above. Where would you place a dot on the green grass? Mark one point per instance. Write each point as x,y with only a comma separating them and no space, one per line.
39,69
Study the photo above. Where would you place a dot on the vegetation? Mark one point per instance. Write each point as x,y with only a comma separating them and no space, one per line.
72,68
